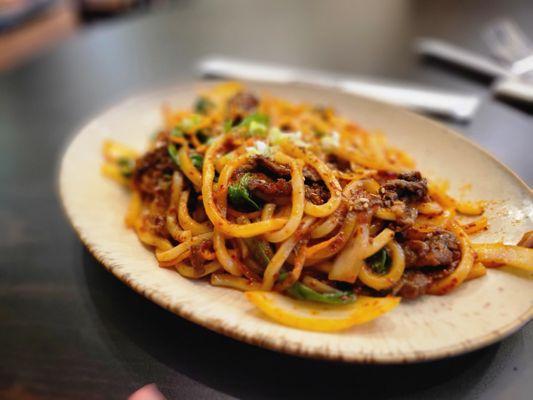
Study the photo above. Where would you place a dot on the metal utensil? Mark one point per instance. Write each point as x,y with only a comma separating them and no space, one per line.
458,106
508,44
507,84
460,56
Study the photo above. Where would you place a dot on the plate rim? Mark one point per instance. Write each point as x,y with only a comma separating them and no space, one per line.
180,310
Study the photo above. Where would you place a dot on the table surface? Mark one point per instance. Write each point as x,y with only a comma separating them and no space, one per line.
69,329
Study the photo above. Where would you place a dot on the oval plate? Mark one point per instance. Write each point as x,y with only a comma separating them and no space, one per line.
478,313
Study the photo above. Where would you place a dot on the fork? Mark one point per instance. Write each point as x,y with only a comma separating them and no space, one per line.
509,45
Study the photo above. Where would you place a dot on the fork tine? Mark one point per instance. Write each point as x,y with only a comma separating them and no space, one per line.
506,41
517,37
497,42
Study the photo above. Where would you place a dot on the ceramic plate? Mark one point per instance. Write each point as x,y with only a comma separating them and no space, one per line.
478,313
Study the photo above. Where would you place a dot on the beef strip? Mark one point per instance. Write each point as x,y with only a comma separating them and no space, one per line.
338,163
405,216
269,190
415,283
271,182
270,167
407,187
268,180
412,284
429,249
438,252
240,105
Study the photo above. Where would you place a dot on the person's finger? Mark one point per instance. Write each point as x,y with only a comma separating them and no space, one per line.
148,392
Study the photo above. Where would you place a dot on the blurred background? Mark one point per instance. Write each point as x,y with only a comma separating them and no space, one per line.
92,53
30,27
372,33
69,329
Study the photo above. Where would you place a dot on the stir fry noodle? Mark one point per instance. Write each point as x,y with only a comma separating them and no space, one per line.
281,199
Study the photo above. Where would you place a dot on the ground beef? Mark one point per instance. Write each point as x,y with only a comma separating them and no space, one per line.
157,223
197,262
152,175
429,249
407,187
317,193
196,259
240,105
154,167
360,200
276,191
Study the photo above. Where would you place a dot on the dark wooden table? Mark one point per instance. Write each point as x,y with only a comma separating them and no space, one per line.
68,329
